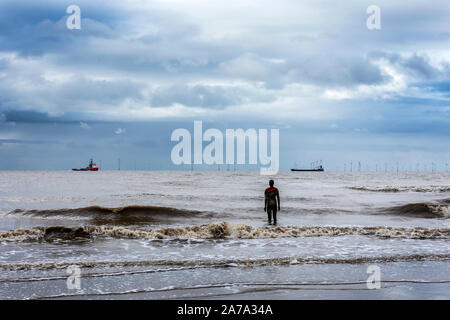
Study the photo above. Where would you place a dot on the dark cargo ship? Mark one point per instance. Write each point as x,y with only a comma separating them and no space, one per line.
318,168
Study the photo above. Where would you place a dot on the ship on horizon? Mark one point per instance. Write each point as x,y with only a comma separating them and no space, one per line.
91,167
314,168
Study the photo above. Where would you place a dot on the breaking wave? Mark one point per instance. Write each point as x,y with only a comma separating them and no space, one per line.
402,188
222,230
133,214
422,210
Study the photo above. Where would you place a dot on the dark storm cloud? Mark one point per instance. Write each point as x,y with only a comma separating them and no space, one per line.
74,94
319,69
18,141
340,72
26,116
81,90
417,65
212,96
30,116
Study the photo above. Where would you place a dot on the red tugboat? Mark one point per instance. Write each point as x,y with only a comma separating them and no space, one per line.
91,167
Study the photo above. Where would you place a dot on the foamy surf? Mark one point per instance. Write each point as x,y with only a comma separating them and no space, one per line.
222,230
133,231
226,263
402,188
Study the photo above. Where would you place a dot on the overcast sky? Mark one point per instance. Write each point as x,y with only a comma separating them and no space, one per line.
138,69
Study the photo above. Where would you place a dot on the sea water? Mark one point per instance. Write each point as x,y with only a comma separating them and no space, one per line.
177,234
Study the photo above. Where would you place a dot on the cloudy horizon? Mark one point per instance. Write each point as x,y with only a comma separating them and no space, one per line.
136,70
